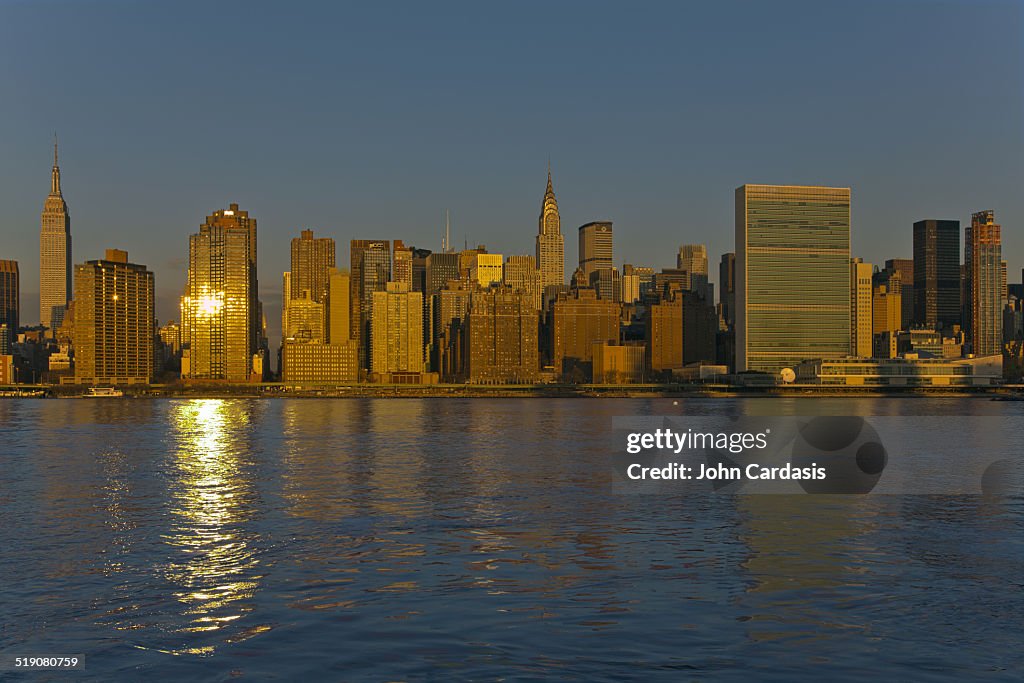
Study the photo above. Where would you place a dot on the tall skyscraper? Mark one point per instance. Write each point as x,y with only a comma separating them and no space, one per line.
636,281
983,260
693,258
312,257
860,308
550,242
886,318
338,307
450,308
401,265
501,338
115,318
220,309
441,268
727,288
522,275
370,265
10,305
578,319
54,254
304,320
396,333
937,273
792,275
595,247
607,283
902,269
486,269
308,358
664,330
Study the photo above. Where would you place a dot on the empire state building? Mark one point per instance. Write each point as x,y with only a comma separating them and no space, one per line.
54,254
550,243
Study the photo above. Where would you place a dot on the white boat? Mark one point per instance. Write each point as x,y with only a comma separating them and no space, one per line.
103,392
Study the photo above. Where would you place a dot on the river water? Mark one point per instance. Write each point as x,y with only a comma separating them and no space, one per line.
472,539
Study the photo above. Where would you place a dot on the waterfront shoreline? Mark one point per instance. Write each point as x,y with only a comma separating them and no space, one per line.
270,391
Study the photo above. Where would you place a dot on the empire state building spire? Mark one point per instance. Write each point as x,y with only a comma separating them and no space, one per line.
55,172
550,243
54,253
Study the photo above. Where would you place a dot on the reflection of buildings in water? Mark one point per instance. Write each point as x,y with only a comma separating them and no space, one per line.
355,459
319,452
803,559
83,475
348,456
211,499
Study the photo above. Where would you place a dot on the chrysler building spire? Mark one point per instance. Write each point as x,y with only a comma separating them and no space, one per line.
550,243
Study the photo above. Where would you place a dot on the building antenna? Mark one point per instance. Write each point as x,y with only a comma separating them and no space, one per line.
447,226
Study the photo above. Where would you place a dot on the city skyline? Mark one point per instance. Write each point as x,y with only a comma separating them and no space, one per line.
276,332
664,179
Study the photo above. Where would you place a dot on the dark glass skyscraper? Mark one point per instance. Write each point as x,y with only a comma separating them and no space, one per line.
370,265
937,273
9,304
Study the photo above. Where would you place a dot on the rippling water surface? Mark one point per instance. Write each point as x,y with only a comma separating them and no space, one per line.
471,539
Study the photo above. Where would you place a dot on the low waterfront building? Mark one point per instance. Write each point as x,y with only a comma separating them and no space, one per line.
616,363
907,371
312,364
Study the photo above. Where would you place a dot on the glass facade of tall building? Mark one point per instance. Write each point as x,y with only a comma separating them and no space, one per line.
370,265
220,310
9,305
312,257
595,247
983,259
792,275
936,294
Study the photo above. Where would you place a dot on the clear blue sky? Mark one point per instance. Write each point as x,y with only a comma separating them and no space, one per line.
362,121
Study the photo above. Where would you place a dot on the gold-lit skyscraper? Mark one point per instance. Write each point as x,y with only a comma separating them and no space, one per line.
578,319
860,308
486,269
550,242
54,254
595,247
792,275
370,263
693,258
396,332
886,319
501,338
983,262
115,319
522,275
311,259
220,309
401,264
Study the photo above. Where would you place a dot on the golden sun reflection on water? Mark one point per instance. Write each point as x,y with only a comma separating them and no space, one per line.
214,567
